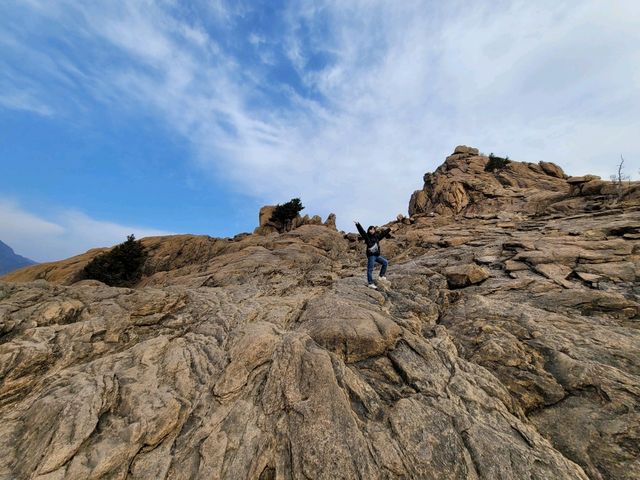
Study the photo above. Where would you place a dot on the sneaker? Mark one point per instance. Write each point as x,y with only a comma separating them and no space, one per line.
382,278
373,285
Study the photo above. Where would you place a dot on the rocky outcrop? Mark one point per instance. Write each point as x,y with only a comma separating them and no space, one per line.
331,221
505,346
459,276
266,226
463,186
173,253
552,169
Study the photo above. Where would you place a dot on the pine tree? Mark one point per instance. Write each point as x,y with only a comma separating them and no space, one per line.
496,163
119,267
285,213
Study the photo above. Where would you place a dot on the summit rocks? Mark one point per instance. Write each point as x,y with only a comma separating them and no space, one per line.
506,347
266,226
462,185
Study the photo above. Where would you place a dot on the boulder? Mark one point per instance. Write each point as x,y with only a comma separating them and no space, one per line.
264,217
297,222
583,179
460,276
515,266
552,169
418,202
354,332
466,150
555,272
331,221
600,187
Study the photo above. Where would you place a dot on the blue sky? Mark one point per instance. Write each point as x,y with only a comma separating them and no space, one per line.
169,116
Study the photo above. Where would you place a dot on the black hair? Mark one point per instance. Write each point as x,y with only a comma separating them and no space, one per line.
370,227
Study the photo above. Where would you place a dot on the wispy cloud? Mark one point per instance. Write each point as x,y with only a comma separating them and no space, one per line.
64,234
376,93
26,102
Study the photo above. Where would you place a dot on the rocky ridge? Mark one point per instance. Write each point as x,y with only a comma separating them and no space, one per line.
462,185
507,346
266,226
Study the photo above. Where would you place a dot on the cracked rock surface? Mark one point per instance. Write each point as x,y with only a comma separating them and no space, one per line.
267,357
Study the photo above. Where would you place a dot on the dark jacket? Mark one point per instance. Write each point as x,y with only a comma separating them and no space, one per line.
373,241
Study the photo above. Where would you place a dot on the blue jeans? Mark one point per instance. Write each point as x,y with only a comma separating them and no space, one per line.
371,261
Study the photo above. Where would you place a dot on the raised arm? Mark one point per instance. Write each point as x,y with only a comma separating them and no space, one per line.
384,234
363,234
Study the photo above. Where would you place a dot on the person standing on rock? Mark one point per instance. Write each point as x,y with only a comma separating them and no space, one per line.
372,238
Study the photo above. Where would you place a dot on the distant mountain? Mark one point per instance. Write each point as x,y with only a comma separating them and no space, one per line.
10,261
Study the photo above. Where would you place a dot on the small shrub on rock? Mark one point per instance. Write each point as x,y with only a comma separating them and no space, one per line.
285,213
119,267
496,163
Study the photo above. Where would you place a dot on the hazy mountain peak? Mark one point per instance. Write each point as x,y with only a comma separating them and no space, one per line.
10,261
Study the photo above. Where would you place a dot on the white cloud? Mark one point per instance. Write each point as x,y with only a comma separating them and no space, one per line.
13,218
24,101
401,84
65,234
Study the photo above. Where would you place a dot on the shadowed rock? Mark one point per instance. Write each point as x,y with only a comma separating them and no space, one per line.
459,276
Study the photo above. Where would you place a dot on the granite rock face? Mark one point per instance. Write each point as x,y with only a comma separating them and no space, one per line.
266,226
267,357
462,185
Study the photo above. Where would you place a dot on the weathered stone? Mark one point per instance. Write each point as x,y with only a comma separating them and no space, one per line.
513,266
418,202
353,331
331,221
598,187
588,277
583,179
265,230
454,241
615,271
264,217
557,272
462,186
466,150
552,169
486,259
460,276
266,356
